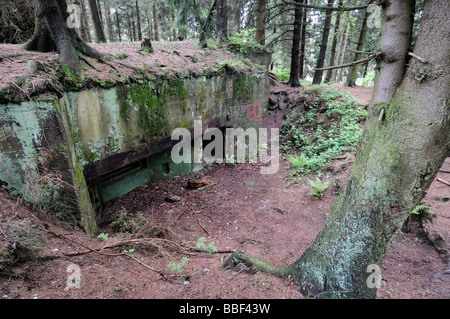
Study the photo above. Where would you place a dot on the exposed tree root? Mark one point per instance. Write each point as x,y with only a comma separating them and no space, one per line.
256,263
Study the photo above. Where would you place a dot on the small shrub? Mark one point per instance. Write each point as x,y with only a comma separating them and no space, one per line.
178,267
318,187
282,74
423,212
19,240
123,223
210,249
298,162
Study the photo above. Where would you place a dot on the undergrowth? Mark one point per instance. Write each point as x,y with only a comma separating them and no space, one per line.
328,125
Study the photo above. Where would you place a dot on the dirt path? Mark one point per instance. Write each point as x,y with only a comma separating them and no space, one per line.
361,94
242,210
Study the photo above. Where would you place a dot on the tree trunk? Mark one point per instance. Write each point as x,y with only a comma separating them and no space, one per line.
206,24
85,23
130,28
53,34
295,54
323,46
174,31
155,22
98,28
118,22
398,158
344,51
196,12
261,22
222,21
133,24
108,21
303,43
334,43
99,9
237,17
340,46
139,27
353,73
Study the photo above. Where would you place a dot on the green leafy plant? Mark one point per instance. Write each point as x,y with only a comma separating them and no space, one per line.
178,267
282,74
318,187
329,125
124,223
102,236
423,211
129,251
298,162
230,159
210,248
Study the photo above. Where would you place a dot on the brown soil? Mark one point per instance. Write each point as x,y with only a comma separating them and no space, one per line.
241,210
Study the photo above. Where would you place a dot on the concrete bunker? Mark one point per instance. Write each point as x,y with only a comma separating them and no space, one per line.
74,153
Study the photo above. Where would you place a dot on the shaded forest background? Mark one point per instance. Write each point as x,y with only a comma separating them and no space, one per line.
302,39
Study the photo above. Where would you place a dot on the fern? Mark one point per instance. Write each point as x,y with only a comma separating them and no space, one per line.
318,187
423,211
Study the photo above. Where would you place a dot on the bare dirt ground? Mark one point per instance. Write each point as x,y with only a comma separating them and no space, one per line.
241,210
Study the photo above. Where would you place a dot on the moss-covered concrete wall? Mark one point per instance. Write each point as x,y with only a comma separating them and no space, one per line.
62,154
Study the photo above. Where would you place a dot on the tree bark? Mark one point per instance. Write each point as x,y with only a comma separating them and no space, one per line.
340,46
130,28
237,17
323,46
295,53
303,43
98,28
396,162
133,23
108,21
85,23
222,21
353,73
118,22
138,15
53,34
334,43
206,24
344,51
155,22
261,22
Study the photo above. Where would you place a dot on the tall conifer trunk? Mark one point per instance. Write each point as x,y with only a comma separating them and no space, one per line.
405,140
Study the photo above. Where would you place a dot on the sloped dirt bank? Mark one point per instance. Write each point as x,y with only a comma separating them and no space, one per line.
241,209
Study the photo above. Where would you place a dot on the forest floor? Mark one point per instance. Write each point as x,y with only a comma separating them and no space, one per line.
241,210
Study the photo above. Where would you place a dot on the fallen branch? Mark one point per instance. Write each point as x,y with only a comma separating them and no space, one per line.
216,252
312,6
202,227
104,254
361,52
442,171
8,136
12,55
373,56
444,182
